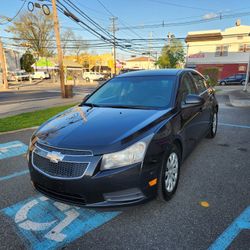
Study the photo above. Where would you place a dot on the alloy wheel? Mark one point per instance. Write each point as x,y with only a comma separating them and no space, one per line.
214,124
171,173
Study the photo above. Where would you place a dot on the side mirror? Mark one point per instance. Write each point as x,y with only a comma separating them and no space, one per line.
193,101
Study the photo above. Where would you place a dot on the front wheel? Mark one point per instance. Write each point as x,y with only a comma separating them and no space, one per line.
169,175
223,83
213,126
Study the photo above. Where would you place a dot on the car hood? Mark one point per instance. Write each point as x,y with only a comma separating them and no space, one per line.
99,129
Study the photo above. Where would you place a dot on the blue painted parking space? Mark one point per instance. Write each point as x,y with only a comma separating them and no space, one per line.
13,175
47,224
11,149
226,238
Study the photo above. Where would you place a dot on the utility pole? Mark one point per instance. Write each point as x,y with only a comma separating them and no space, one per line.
59,49
247,75
114,29
149,47
4,66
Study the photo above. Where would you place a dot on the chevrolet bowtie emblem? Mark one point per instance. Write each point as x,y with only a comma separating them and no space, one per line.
55,156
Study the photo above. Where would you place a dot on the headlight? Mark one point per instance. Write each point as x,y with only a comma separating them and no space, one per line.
128,156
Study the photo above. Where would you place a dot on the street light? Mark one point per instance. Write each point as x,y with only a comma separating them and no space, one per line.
247,75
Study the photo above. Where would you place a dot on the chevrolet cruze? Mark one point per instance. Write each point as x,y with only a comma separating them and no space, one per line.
124,144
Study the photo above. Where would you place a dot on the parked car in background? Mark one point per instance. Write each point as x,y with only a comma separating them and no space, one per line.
93,76
122,71
18,76
233,79
40,75
125,143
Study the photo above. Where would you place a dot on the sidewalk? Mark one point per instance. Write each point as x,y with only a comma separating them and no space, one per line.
239,98
45,85
9,108
29,106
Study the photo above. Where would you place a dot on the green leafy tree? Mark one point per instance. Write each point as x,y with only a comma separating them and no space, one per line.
172,55
26,61
34,30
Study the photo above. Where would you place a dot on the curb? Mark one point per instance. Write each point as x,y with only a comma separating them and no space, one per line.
18,130
239,103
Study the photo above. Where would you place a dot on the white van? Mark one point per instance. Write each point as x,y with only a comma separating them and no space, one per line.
94,76
40,75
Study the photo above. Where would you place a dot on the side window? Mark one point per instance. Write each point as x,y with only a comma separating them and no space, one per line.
186,86
200,82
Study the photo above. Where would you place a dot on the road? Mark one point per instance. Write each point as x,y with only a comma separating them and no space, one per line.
20,101
217,173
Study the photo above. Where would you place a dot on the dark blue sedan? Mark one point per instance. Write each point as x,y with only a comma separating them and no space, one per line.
125,143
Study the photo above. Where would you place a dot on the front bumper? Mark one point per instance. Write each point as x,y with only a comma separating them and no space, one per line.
118,187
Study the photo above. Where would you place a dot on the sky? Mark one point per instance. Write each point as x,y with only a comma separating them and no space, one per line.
143,12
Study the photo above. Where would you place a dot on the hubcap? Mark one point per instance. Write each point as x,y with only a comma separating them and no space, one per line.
214,123
171,173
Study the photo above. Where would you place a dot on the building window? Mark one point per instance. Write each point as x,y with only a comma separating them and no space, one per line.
244,48
221,50
242,68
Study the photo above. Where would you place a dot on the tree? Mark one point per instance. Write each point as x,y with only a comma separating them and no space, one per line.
66,39
26,61
172,55
73,43
36,31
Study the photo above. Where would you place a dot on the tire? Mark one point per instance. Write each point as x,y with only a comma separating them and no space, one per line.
213,126
87,79
243,82
223,83
166,192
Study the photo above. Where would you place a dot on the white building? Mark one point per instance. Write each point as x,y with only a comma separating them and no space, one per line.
142,62
228,50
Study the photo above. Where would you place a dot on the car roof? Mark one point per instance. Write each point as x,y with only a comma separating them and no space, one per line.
158,72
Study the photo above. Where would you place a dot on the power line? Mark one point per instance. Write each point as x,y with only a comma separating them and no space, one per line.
18,12
173,24
108,11
156,39
179,5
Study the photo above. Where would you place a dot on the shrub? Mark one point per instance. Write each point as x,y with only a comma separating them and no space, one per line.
213,74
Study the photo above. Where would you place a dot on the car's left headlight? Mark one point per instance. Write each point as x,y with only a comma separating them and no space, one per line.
133,154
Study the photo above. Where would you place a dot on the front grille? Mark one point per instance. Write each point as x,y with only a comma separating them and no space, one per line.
62,169
65,151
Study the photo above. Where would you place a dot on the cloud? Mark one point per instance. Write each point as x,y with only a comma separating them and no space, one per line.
210,15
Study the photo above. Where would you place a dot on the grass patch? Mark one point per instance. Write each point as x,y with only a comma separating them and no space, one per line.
30,119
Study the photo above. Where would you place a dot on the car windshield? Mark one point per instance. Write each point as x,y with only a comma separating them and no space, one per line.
134,92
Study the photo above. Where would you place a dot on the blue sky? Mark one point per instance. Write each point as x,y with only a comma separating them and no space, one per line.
140,12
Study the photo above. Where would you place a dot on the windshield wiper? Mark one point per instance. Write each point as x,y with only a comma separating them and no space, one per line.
127,107
89,104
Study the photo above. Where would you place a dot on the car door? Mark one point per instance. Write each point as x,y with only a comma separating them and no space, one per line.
190,116
231,79
206,109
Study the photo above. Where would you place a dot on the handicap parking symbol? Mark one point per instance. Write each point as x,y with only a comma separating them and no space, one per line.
11,149
47,224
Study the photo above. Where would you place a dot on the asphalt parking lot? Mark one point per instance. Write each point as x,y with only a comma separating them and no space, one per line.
211,209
